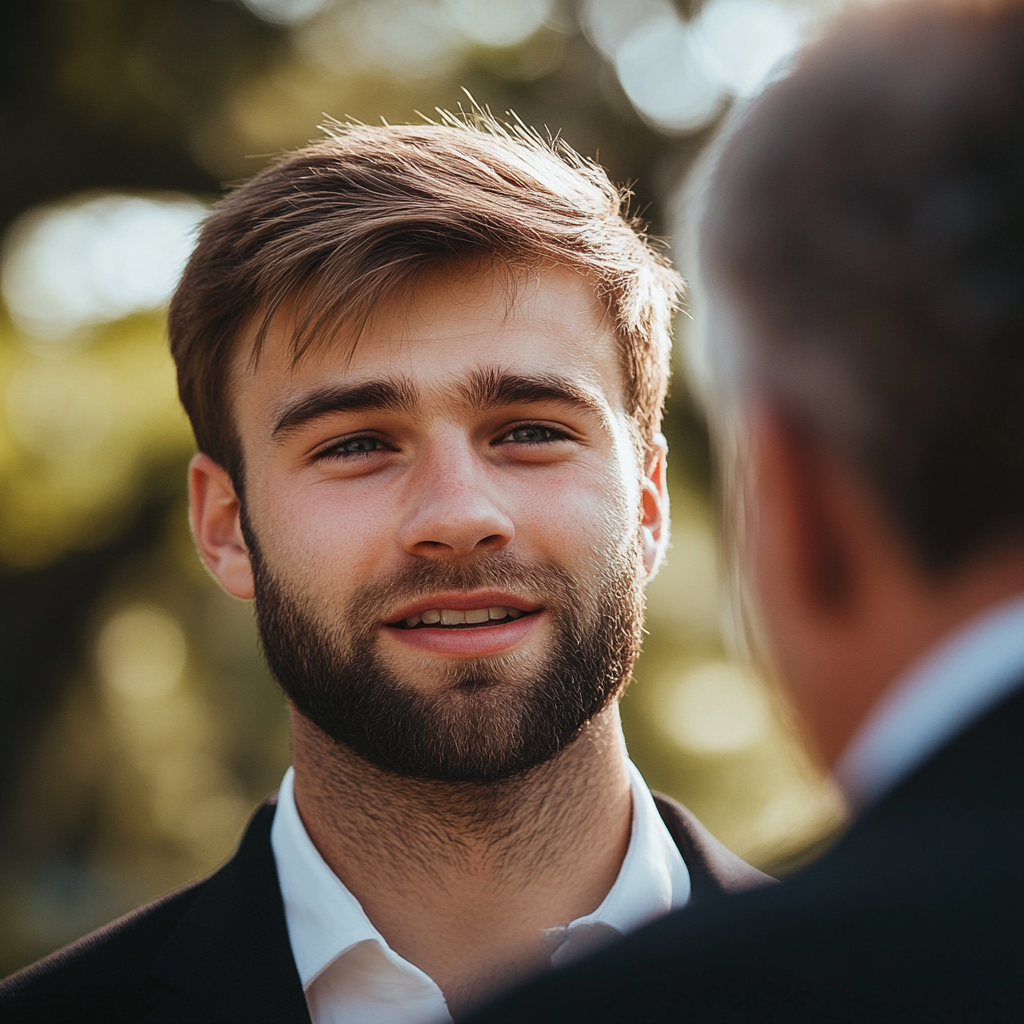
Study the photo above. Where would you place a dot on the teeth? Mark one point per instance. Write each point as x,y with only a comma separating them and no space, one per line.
452,617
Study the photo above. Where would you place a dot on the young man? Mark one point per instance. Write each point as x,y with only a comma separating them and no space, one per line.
863,253
425,367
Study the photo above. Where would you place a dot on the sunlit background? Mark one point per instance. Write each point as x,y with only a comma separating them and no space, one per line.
138,727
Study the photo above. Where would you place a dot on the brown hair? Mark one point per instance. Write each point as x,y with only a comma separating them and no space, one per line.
864,234
344,223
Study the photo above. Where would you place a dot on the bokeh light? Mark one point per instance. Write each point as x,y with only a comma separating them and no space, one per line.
415,39
659,64
100,259
679,74
285,12
498,23
739,43
715,708
141,653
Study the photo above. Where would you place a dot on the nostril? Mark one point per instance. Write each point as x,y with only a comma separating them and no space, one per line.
457,533
433,545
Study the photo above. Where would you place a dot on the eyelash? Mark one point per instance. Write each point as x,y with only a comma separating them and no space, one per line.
336,450
554,434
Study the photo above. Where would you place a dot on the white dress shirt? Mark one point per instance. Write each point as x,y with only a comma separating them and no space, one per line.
351,975
951,685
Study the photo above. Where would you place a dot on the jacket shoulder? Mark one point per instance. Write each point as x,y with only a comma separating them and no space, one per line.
108,968
215,952
714,868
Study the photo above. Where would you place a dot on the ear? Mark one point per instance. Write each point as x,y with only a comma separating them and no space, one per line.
214,511
805,549
654,506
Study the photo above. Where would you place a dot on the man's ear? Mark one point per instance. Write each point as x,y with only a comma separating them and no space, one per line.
214,510
654,508
806,548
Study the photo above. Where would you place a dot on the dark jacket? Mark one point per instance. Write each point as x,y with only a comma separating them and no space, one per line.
217,951
917,914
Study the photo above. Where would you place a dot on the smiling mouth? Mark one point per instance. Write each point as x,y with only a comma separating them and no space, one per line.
450,618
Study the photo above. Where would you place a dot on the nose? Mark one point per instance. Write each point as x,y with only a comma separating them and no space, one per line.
454,506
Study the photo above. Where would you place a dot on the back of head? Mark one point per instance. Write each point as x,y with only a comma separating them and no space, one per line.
863,238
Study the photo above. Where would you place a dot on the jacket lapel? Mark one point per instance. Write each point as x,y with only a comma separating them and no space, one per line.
714,868
229,958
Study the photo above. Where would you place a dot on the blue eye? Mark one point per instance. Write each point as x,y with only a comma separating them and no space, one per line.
533,434
356,446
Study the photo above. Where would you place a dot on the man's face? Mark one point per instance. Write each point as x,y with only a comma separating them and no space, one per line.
444,523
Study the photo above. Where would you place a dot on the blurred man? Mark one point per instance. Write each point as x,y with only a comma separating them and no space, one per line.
862,247
425,367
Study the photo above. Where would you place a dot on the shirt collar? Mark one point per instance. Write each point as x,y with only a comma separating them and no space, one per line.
952,684
325,920
652,881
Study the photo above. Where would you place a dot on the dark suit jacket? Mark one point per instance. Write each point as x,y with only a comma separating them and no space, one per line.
917,914
217,951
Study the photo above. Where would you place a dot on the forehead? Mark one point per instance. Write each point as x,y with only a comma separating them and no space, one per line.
445,330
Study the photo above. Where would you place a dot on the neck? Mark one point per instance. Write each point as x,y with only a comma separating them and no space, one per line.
909,614
461,878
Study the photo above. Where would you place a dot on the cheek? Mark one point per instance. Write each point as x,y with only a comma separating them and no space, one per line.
778,605
316,532
767,574
576,515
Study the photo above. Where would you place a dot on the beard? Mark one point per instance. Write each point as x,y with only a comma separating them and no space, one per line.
485,720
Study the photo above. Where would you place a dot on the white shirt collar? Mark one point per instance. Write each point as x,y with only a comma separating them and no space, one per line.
326,922
952,684
324,919
652,881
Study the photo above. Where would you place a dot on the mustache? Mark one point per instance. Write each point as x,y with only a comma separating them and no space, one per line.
541,581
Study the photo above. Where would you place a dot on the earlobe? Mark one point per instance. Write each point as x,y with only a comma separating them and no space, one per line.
654,503
216,526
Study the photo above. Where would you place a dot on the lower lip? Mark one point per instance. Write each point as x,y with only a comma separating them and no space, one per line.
468,643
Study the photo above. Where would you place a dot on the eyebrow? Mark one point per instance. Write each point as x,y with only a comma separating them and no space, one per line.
388,395
485,389
494,388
